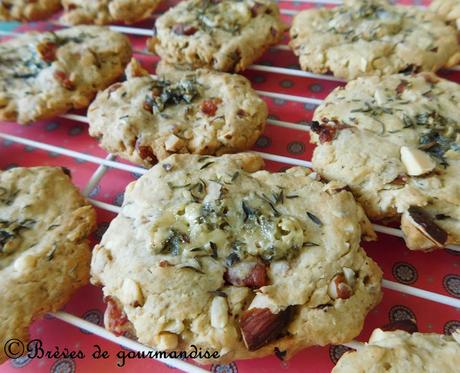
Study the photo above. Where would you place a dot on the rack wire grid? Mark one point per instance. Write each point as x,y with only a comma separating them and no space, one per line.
64,141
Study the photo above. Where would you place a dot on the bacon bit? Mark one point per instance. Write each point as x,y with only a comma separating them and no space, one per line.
327,131
400,180
183,29
209,107
117,318
146,153
241,113
165,264
255,9
343,289
255,280
402,86
47,51
62,78
326,134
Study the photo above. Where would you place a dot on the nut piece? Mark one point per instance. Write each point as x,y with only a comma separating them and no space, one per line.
167,341
131,293
349,276
24,263
174,143
252,275
264,301
114,318
339,287
425,224
416,161
219,312
259,326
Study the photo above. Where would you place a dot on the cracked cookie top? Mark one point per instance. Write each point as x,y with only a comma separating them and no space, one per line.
224,35
202,112
40,79
395,141
372,37
214,252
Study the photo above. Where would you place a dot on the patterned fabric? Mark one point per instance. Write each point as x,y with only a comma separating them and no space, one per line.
437,272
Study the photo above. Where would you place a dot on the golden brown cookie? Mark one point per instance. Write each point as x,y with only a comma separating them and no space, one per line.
46,74
44,247
214,252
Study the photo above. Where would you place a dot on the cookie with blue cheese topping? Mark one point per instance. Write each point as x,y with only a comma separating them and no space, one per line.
39,76
217,253
224,35
395,141
145,118
372,37
44,246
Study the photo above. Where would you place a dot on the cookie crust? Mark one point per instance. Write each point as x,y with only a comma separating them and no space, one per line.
102,12
147,118
26,10
372,37
39,77
447,9
399,351
44,247
362,130
219,254
224,35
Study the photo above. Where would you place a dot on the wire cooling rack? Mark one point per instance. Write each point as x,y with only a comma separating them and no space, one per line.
104,164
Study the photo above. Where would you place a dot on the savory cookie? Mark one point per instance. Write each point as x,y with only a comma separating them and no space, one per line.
47,74
202,112
225,35
212,252
372,37
448,9
27,10
44,250
400,351
395,141
102,12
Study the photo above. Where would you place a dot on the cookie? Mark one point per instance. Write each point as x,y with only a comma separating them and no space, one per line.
39,76
372,37
395,141
399,351
201,112
102,12
44,247
447,9
26,10
224,35
216,253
